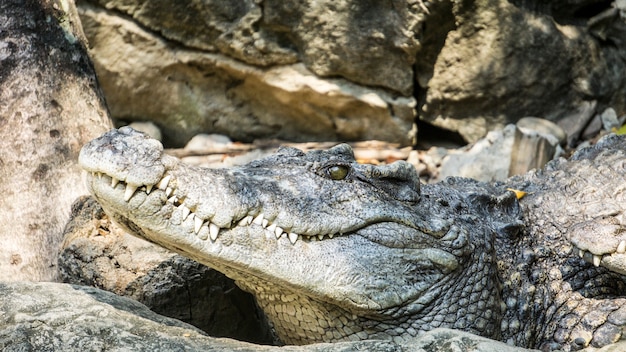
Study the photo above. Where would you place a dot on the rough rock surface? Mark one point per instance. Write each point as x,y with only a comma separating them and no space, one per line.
50,105
506,59
191,91
357,69
97,253
62,317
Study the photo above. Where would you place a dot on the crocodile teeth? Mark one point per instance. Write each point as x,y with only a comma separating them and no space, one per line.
331,236
164,182
596,260
149,188
168,191
173,199
203,235
259,219
214,230
621,247
197,224
130,190
581,253
185,211
246,221
264,223
114,182
293,237
278,231
320,237
271,228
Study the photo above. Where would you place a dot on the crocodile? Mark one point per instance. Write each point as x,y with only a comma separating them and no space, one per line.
335,250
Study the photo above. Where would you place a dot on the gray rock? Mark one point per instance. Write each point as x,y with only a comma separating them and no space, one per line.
504,60
50,105
149,128
536,142
203,143
609,119
304,70
371,34
486,160
191,91
60,317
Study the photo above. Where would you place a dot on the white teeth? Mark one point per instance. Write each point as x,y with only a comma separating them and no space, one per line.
246,221
596,260
271,228
130,190
173,199
164,182
265,223
168,191
581,253
185,211
214,230
621,247
293,237
99,174
114,182
149,188
320,237
197,224
278,231
259,219
203,235
331,236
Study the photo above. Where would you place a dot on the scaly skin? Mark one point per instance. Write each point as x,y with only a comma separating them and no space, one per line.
334,250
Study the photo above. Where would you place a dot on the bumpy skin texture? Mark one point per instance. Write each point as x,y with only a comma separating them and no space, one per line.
334,250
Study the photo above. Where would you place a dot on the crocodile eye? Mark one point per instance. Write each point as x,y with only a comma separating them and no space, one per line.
337,172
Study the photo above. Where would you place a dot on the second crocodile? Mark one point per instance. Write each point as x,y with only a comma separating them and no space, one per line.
334,250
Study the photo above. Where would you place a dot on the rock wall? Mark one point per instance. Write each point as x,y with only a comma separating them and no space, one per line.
351,70
50,105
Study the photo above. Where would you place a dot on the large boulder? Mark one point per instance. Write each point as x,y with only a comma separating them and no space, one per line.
60,317
503,60
188,87
323,70
50,105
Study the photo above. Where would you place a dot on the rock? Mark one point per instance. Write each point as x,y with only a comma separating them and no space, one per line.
536,142
486,160
149,128
375,47
98,253
609,119
190,91
203,143
60,317
322,70
514,150
504,60
575,123
50,105
545,128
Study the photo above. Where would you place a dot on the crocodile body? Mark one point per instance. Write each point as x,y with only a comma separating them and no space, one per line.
334,250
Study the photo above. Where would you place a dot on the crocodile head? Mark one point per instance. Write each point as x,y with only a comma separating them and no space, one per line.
331,249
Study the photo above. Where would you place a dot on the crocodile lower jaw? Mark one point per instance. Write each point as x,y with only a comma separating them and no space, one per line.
204,229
